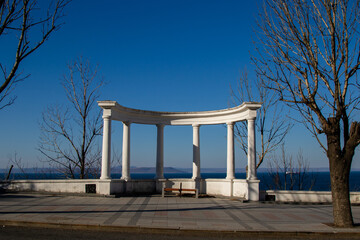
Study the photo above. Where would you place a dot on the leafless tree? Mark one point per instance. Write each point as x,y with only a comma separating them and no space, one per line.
31,28
69,135
270,124
278,169
289,174
308,52
305,179
18,162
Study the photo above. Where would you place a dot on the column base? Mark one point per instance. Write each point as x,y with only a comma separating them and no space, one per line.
160,184
105,178
253,190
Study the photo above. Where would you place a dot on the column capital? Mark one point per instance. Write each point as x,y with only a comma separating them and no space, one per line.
230,123
195,125
106,117
160,125
127,123
251,119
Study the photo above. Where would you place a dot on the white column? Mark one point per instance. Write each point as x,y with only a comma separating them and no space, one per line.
126,152
160,152
230,151
196,152
251,149
106,148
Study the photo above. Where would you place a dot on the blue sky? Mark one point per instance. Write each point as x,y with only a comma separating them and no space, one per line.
154,55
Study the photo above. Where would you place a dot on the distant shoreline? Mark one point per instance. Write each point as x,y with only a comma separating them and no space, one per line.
153,170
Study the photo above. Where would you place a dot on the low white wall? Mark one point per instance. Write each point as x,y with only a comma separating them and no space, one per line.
139,186
114,186
247,189
221,187
185,183
63,185
355,197
231,188
307,196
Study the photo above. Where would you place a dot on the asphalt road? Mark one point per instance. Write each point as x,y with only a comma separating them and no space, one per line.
55,233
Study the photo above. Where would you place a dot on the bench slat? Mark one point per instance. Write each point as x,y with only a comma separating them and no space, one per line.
180,190
171,189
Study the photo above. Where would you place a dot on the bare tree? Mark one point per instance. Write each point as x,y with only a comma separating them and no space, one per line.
68,135
278,169
18,162
31,28
305,179
308,52
288,174
23,171
270,124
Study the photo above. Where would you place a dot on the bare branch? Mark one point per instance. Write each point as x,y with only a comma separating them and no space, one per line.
22,19
272,129
69,136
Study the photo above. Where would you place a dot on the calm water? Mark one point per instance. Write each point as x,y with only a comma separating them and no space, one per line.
321,180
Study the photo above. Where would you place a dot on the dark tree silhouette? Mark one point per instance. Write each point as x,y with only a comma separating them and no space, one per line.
308,53
30,28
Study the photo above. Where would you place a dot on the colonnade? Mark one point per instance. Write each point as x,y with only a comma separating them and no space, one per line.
230,174
113,111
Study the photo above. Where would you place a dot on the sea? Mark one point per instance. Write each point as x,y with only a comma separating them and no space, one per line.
315,181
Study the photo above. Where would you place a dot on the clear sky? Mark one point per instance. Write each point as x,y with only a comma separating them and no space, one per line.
154,55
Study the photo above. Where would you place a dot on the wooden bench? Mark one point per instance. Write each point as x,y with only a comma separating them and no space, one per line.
180,190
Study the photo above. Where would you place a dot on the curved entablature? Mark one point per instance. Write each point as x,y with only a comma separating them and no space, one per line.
245,111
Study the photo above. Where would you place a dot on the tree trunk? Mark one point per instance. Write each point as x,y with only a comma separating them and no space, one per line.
82,169
339,176
340,165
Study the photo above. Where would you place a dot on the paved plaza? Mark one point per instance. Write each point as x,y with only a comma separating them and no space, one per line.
173,213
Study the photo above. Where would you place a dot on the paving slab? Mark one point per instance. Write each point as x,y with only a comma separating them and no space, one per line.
202,214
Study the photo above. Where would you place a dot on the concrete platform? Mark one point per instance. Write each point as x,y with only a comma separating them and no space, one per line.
169,213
